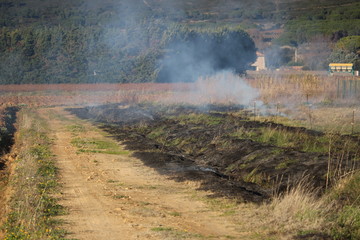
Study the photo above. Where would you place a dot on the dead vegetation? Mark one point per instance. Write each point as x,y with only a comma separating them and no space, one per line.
231,143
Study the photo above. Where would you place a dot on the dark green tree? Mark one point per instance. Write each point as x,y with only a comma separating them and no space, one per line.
347,50
29,45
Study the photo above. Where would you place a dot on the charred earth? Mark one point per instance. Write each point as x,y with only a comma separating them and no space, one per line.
225,149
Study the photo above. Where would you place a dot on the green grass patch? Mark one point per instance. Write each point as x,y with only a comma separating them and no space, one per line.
347,223
244,133
94,145
344,221
157,132
121,197
348,192
230,212
293,139
75,128
285,164
298,140
176,233
112,181
194,118
162,229
174,214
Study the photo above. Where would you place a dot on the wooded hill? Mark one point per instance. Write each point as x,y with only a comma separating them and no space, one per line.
125,40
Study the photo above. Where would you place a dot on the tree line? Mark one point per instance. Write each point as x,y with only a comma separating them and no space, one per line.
96,54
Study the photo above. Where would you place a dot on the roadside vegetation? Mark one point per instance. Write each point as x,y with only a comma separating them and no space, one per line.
33,203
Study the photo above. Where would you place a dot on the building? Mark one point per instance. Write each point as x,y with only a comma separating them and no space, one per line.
341,68
260,62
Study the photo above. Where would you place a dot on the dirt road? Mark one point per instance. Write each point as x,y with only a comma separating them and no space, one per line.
112,195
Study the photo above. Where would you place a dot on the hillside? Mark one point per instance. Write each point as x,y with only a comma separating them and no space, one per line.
78,12
123,41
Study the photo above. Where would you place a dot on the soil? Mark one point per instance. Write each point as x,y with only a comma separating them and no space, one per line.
243,169
118,196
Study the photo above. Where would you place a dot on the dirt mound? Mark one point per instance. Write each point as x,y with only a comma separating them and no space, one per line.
230,154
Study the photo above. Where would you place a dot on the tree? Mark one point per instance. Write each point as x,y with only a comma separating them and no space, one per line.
29,45
347,50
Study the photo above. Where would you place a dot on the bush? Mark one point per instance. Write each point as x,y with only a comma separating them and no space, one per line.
348,191
347,224
347,219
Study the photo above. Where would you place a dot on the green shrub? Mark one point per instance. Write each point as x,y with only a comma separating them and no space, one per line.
348,192
347,224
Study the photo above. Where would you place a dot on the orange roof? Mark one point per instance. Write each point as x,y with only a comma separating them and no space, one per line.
341,65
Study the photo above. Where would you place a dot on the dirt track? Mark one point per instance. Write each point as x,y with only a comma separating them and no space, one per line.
115,196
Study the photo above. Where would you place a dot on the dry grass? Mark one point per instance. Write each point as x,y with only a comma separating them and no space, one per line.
298,208
298,211
317,102
33,95
298,88
32,205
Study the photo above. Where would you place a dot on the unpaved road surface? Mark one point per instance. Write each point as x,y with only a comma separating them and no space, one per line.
115,196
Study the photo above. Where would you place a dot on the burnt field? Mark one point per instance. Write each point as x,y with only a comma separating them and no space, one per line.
224,148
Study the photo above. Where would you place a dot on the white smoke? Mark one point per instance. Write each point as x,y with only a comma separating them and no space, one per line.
225,87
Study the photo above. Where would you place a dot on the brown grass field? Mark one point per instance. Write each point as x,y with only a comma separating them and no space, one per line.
274,87
312,100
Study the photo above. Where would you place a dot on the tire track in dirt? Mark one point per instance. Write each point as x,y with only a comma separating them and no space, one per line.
117,197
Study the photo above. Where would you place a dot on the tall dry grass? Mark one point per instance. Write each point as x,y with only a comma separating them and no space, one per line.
298,88
298,207
293,214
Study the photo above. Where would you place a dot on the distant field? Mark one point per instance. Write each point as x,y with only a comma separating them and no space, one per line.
276,87
86,94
